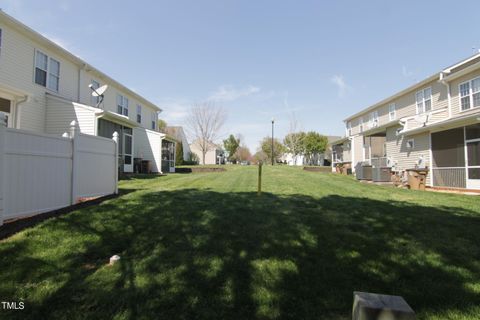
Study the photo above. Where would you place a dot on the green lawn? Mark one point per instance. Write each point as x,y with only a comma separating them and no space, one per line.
204,246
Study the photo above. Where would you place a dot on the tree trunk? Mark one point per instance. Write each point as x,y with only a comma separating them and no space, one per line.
203,156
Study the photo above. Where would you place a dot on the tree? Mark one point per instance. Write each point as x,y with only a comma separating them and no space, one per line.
266,147
293,141
204,122
294,144
260,156
179,154
162,125
314,144
243,154
231,145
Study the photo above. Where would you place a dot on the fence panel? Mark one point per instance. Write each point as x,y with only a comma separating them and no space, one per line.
40,172
96,166
37,171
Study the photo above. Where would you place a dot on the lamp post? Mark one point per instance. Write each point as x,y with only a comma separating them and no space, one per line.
273,121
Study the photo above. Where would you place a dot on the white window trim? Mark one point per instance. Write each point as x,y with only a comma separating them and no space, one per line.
94,100
390,112
412,141
123,106
349,128
470,95
423,100
154,120
360,124
373,119
47,71
139,108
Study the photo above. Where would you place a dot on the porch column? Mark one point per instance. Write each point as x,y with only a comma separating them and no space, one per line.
2,166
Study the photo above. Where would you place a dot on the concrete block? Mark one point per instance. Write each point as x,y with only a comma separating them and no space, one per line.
373,306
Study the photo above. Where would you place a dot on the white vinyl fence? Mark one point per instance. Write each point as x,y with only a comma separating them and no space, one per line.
40,173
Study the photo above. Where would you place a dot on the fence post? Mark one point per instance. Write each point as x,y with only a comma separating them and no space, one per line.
73,137
115,161
2,169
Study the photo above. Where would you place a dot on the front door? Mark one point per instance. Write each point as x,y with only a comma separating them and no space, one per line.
472,154
127,149
473,163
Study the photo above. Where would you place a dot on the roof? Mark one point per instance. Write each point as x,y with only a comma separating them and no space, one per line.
73,58
436,76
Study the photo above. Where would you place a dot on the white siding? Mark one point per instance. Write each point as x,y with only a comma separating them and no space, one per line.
148,146
17,71
61,113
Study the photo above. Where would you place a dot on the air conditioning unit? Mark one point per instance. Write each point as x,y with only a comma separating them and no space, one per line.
381,174
363,171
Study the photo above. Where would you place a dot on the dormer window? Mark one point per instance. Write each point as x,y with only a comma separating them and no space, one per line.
122,105
424,100
47,71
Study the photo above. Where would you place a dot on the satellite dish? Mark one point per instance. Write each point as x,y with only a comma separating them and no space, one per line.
421,118
98,92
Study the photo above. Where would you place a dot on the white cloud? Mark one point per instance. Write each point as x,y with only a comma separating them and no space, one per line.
342,87
230,93
407,73
174,111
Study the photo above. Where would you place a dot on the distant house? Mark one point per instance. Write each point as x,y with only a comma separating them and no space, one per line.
322,159
178,134
215,154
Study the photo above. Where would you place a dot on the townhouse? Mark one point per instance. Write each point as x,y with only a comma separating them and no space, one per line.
434,123
43,87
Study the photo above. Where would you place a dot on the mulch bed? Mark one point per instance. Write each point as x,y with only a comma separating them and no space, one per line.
318,169
10,228
198,170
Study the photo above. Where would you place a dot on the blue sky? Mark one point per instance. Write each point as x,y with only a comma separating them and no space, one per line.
321,60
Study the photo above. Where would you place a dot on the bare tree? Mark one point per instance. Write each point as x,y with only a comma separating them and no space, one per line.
293,141
204,122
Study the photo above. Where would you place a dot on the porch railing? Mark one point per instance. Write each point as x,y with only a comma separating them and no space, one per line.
378,162
453,177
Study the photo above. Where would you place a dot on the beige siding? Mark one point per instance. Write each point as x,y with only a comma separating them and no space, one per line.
357,145
210,156
61,113
455,96
407,158
405,106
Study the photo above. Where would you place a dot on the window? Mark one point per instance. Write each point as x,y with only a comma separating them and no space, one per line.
470,94
392,114
424,100
95,100
410,143
373,119
154,120
349,128
361,124
122,105
139,113
47,71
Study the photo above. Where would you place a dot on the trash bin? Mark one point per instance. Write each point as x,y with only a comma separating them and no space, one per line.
137,165
417,178
146,167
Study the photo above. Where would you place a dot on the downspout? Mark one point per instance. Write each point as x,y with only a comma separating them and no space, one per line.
449,99
16,119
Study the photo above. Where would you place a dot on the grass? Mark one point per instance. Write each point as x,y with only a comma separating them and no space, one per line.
204,246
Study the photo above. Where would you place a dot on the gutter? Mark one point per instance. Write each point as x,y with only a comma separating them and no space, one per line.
18,103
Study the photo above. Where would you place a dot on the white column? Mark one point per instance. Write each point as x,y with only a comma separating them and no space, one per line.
115,161
2,169
73,136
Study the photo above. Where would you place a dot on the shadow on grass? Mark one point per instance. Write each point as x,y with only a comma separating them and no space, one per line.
193,254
